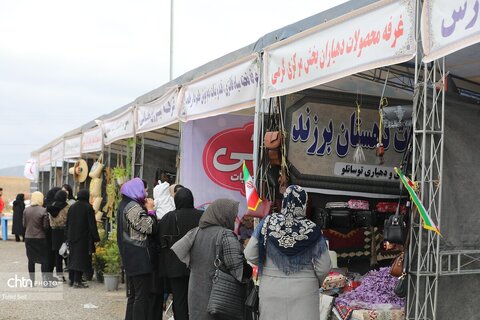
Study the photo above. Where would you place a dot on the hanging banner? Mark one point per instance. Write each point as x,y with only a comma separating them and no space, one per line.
57,151
159,113
92,140
377,35
448,26
30,171
119,127
323,140
232,88
44,159
72,148
213,151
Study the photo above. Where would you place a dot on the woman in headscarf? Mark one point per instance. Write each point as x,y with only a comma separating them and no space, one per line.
18,207
68,189
293,260
81,234
58,212
35,221
48,233
135,222
198,249
173,226
163,201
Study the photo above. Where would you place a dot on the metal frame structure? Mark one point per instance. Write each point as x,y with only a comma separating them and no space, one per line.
427,169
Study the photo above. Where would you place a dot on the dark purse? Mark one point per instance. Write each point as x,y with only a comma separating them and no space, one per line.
227,296
395,228
401,287
252,302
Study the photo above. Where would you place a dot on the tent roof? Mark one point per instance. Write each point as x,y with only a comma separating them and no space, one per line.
464,63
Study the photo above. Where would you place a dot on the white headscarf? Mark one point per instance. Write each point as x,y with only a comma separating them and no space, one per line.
163,201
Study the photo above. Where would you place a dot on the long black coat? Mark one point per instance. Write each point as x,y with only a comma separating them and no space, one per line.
81,233
172,227
18,208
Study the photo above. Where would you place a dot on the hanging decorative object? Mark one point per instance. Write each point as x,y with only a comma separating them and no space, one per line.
380,149
358,156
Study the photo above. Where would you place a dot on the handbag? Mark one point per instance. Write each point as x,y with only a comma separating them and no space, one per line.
226,298
64,250
96,187
97,167
364,219
252,302
401,287
273,143
395,228
398,265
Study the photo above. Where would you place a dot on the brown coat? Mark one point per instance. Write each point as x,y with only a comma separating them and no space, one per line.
35,221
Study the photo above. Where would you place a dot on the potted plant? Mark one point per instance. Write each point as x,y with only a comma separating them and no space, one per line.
112,270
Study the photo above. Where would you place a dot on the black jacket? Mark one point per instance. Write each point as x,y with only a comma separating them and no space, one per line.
81,232
137,256
18,208
172,227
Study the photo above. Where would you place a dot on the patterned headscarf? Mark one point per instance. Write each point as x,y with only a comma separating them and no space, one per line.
288,238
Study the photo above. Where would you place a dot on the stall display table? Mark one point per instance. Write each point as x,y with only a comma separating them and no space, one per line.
5,220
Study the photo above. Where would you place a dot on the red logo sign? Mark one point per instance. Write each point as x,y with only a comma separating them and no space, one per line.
224,154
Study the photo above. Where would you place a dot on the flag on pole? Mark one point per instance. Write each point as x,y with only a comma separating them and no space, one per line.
409,185
253,200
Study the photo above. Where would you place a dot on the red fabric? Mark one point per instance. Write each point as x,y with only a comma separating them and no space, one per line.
355,239
390,207
2,205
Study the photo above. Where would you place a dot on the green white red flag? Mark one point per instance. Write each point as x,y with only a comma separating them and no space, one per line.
409,185
253,200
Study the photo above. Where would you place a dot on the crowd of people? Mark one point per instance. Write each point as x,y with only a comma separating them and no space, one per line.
169,247
178,252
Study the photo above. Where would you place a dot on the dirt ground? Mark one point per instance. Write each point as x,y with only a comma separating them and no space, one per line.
71,302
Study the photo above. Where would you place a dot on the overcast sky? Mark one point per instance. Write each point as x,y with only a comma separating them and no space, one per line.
64,63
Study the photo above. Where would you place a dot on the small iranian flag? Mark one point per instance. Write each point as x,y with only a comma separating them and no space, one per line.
409,185
250,192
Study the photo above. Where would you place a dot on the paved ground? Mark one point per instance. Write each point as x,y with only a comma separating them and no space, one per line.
15,304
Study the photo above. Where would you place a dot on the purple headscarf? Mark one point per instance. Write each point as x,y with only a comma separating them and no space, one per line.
135,190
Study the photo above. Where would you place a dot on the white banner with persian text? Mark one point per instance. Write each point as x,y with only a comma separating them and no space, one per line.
448,26
159,113
57,151
92,140
45,158
377,35
72,148
119,127
232,88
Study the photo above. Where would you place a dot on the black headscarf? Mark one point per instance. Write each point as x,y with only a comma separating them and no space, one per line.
221,212
83,195
59,202
20,200
50,195
70,191
183,199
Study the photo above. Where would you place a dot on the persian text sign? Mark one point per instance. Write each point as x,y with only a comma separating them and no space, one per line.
377,35
92,140
213,151
448,26
44,159
57,151
73,147
230,89
119,127
157,114
224,155
323,140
